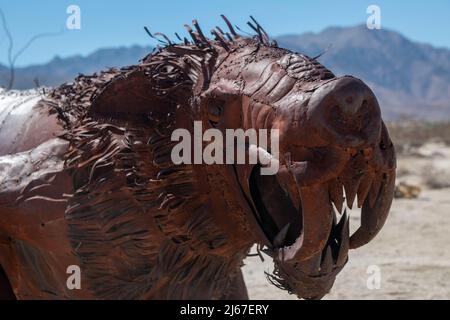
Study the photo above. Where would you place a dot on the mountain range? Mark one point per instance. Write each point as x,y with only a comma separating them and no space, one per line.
410,79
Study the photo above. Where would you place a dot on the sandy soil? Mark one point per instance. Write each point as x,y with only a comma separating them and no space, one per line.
412,251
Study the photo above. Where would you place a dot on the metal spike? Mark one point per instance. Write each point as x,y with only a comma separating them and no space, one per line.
148,32
364,188
248,34
351,186
374,190
336,194
278,241
327,262
178,36
199,31
220,30
193,35
261,28
224,34
344,244
219,38
165,37
230,27
152,36
323,52
229,37
334,218
256,29
340,226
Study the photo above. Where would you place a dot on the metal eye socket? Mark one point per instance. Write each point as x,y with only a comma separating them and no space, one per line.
215,112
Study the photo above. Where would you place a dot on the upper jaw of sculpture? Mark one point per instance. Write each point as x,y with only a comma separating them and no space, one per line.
340,148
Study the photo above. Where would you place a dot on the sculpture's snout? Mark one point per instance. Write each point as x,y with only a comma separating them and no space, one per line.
346,111
350,95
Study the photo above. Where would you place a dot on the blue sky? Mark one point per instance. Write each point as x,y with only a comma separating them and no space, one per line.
114,23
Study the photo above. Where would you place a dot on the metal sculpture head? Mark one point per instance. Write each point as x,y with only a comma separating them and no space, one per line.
332,144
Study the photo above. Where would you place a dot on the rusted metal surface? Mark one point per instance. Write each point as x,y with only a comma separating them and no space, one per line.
87,178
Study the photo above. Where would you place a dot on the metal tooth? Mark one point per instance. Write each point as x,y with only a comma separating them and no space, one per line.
351,186
336,194
344,244
278,241
373,218
334,218
374,190
338,229
327,261
340,226
364,188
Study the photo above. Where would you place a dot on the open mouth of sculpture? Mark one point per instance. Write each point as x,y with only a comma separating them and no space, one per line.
315,228
279,218
283,223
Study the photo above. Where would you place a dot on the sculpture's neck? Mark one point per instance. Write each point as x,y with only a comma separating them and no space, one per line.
185,273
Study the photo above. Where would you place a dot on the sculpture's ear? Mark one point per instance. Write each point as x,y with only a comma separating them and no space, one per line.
128,94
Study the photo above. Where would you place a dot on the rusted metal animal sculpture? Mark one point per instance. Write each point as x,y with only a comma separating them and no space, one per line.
86,176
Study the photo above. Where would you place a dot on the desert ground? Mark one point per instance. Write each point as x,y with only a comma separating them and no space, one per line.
412,252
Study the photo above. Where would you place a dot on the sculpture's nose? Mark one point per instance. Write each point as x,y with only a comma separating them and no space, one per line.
346,111
350,95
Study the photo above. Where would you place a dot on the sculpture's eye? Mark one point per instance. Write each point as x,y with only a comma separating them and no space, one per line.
215,112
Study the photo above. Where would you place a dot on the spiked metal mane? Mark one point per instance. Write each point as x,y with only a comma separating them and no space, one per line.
181,64
172,66
224,39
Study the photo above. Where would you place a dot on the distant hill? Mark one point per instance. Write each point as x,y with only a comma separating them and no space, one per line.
410,79
60,70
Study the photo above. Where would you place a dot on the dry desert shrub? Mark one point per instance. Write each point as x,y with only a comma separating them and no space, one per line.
407,135
436,178
404,190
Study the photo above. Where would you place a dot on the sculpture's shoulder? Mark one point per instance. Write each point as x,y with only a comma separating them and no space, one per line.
24,123
72,101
